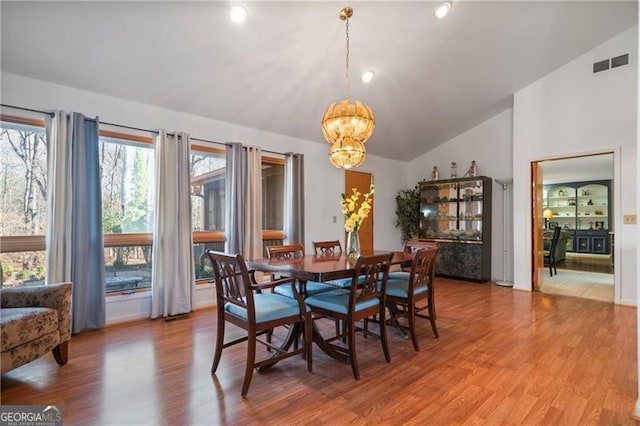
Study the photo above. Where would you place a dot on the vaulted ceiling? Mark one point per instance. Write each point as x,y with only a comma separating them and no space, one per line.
280,69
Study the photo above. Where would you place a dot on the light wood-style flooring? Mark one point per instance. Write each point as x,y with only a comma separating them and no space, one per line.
503,357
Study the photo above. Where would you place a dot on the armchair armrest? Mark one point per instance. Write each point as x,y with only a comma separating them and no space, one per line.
54,296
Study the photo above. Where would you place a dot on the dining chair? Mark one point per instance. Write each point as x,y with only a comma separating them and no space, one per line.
292,251
289,251
550,255
327,248
365,298
405,294
411,246
240,301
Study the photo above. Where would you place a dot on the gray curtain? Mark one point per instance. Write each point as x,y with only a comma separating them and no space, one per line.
253,205
172,275
294,199
75,243
235,193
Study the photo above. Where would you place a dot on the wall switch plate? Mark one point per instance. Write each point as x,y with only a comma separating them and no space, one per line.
630,219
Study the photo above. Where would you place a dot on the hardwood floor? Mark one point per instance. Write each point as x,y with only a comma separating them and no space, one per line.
587,263
503,357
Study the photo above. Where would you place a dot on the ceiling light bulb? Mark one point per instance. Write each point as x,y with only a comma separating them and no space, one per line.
367,76
442,10
238,14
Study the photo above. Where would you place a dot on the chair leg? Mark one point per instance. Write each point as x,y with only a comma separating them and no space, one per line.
352,349
61,353
308,331
411,309
219,344
251,359
383,335
432,318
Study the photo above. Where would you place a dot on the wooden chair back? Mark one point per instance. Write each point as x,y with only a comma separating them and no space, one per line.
423,268
327,248
411,246
371,280
285,251
233,281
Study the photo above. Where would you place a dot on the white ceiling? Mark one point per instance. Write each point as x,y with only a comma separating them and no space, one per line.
578,169
282,68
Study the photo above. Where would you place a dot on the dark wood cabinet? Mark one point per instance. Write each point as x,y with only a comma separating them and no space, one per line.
456,214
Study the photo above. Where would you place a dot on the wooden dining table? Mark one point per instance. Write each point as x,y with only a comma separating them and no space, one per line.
319,268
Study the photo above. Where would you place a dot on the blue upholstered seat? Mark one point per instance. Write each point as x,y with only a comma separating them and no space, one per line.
312,288
340,283
399,275
399,287
338,301
269,306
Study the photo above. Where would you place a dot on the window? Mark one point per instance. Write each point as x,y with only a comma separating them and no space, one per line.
127,176
272,194
23,200
208,168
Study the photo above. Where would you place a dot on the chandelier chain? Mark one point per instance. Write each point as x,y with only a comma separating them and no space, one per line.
348,79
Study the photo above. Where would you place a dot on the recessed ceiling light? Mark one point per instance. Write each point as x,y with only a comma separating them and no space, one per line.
442,10
367,76
238,14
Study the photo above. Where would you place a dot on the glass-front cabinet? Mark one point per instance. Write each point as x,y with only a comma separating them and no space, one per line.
456,214
583,209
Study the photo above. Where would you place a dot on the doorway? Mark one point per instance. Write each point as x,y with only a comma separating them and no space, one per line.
575,194
362,182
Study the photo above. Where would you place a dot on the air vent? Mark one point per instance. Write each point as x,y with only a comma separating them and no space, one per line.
619,61
601,66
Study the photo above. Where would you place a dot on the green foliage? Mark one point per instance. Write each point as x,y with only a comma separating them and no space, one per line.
135,218
23,274
7,270
40,271
408,212
112,222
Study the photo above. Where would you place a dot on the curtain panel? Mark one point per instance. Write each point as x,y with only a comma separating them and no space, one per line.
235,193
243,224
294,198
74,241
253,220
173,274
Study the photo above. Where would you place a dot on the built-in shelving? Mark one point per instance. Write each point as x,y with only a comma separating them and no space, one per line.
583,209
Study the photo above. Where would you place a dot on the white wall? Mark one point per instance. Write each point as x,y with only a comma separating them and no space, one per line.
489,144
323,182
572,111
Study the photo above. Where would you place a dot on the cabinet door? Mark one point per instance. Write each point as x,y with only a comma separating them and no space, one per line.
583,244
600,245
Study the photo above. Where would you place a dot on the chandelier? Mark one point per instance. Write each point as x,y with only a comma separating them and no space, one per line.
345,125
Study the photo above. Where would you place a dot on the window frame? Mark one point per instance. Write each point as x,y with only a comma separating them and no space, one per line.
28,243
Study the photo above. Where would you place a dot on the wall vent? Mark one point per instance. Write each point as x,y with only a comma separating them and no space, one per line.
619,61
600,66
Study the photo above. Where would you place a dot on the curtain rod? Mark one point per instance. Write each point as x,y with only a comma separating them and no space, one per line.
131,127
28,109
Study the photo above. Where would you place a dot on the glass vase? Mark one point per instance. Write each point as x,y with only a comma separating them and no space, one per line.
353,244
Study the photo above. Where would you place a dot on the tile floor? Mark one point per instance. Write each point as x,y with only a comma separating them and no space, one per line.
590,285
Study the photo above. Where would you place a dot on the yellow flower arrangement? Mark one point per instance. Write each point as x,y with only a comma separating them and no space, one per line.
354,215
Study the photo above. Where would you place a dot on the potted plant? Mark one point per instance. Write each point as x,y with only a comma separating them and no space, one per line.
408,212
